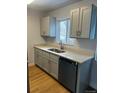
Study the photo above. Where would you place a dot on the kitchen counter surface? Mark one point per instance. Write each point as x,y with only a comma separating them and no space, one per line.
78,57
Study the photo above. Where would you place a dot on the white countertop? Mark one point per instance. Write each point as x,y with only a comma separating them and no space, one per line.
80,58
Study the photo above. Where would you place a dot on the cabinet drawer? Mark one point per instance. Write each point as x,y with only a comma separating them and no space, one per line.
54,57
54,69
45,64
45,54
38,51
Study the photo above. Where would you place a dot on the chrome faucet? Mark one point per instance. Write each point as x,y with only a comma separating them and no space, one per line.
61,45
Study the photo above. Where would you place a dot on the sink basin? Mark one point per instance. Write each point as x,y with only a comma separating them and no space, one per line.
56,50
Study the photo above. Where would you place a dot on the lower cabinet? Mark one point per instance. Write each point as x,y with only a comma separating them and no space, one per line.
45,64
37,57
50,63
54,69
47,61
39,61
54,64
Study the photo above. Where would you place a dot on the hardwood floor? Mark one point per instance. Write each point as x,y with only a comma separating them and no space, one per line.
40,82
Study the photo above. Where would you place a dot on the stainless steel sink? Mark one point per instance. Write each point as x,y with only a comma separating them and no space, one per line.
56,50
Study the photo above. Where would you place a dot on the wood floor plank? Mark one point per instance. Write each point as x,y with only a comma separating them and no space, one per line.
40,82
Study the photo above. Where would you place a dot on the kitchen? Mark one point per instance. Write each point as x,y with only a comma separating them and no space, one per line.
21,40
62,46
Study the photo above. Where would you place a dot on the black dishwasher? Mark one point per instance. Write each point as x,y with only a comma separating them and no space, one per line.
68,73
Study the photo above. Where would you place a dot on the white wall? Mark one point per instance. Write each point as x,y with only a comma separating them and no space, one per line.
33,32
65,13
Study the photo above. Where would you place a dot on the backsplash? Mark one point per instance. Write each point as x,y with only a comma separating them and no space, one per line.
79,43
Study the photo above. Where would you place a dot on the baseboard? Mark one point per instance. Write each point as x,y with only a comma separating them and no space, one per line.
30,64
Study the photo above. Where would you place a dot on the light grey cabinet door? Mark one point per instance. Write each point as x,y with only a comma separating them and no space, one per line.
54,60
45,64
48,26
47,61
45,26
40,63
85,19
42,59
84,22
74,22
54,69
36,56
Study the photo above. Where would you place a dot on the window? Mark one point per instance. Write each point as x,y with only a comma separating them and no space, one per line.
63,32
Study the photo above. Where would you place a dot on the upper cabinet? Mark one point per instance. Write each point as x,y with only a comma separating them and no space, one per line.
48,26
75,22
84,22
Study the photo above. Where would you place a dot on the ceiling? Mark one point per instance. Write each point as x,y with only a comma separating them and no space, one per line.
48,5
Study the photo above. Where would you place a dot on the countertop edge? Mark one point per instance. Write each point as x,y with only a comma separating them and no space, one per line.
45,48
